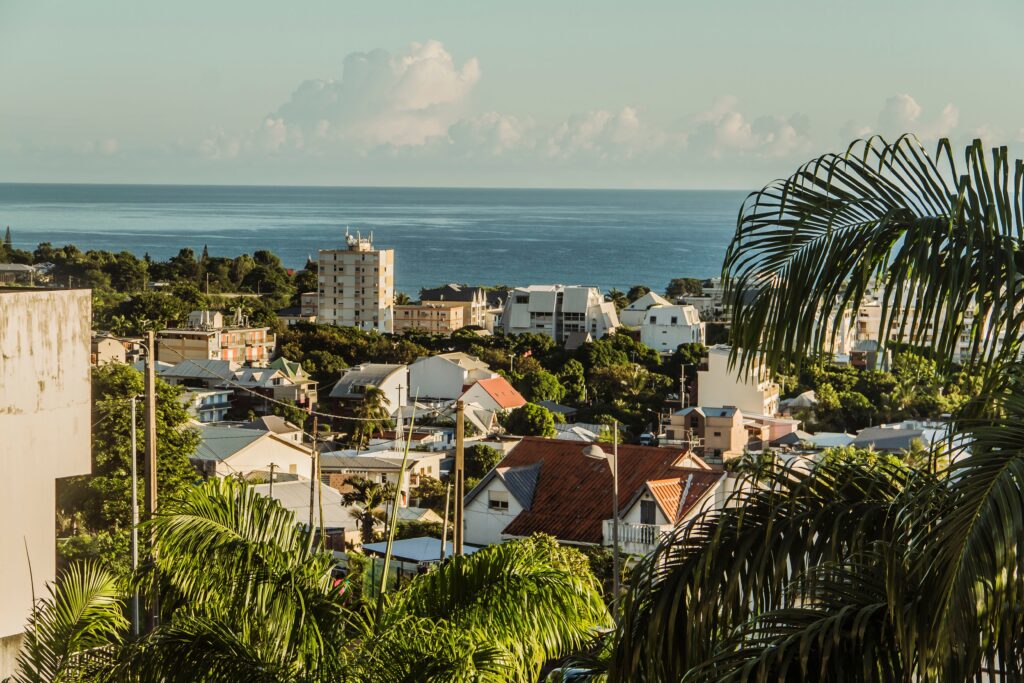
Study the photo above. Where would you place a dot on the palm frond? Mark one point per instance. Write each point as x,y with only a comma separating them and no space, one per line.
82,612
944,239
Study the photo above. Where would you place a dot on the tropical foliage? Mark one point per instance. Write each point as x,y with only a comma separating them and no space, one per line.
247,595
858,568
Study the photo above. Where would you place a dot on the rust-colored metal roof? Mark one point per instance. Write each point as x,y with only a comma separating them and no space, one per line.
573,494
668,493
503,393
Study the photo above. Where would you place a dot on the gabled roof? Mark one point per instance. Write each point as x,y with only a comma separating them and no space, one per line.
294,496
572,495
577,339
646,301
677,495
888,439
203,369
521,482
451,292
557,407
463,360
291,369
271,423
503,393
218,443
370,374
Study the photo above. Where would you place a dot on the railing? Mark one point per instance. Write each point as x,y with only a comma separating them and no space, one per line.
646,535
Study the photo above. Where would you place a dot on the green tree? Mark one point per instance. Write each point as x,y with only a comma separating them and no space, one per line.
637,291
530,420
541,385
291,412
924,575
481,459
618,298
372,415
683,286
573,381
102,500
371,497
430,493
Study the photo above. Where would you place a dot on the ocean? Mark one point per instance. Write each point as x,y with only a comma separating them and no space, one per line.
602,238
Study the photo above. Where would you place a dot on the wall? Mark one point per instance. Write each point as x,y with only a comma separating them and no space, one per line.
721,386
435,378
484,525
45,425
258,455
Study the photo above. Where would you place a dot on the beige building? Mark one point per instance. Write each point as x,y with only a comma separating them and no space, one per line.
472,299
105,350
716,434
357,285
208,336
45,424
719,385
435,318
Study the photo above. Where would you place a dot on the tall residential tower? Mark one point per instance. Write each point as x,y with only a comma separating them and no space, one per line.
357,285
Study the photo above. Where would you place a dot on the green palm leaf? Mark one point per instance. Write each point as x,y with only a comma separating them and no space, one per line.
82,612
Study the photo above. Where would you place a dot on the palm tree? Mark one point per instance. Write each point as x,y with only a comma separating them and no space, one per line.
862,571
371,497
247,596
401,299
372,415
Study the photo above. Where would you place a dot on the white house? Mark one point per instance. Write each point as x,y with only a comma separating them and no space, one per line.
558,311
207,405
446,375
549,486
665,327
719,385
495,395
225,451
393,380
633,314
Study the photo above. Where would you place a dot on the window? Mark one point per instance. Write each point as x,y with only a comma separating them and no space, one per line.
497,500
647,512
718,433
654,320
675,320
522,298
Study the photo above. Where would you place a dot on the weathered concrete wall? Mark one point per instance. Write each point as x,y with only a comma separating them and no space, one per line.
44,434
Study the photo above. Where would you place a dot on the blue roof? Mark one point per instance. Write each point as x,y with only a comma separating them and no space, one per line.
421,549
219,442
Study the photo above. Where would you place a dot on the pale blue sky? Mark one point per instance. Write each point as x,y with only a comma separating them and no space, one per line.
600,94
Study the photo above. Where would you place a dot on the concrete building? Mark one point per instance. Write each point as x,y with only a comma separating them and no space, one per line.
357,285
473,301
558,311
432,318
393,380
282,380
446,376
633,314
665,327
45,425
207,405
209,336
308,304
103,350
719,385
717,434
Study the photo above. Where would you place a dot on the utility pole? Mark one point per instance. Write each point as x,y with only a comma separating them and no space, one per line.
272,466
444,525
136,628
150,471
460,474
312,473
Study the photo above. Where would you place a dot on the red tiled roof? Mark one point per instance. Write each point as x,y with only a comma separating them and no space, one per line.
574,493
668,492
503,393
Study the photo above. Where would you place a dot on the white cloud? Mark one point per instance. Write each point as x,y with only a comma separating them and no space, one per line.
903,114
723,131
381,99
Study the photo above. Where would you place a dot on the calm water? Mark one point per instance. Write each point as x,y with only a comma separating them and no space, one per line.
605,238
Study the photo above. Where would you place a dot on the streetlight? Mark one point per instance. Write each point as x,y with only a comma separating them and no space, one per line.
595,452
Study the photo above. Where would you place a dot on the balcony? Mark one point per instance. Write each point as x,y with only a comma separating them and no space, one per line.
635,539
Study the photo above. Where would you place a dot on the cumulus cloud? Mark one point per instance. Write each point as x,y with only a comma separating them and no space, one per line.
903,114
380,99
723,130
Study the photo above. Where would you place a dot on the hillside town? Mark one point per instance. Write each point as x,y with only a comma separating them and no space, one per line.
359,409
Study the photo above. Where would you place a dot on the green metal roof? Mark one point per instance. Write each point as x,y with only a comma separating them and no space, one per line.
219,442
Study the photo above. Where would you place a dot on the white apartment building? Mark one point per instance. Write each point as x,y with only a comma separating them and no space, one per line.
665,327
45,422
633,314
719,385
357,285
558,311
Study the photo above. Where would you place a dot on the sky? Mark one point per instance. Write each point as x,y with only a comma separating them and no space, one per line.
681,94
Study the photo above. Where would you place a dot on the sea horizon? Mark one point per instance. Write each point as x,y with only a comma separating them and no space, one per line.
608,238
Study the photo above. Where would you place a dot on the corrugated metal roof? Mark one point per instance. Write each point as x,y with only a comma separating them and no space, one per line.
573,493
521,482
503,393
370,374
294,496
219,443
203,369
